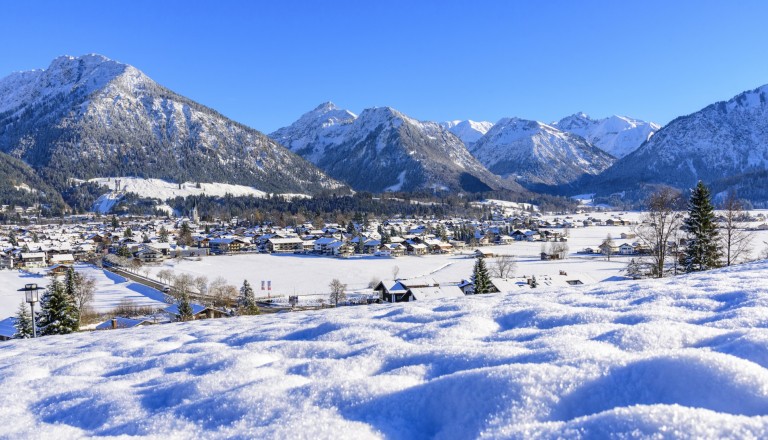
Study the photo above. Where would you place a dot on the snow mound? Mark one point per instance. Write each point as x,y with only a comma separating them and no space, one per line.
678,358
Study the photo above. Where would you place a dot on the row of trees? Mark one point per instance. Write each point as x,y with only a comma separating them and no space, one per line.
707,244
61,307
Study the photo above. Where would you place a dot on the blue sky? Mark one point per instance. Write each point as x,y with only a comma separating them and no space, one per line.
266,63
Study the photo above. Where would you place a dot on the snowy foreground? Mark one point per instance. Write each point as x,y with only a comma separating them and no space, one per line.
685,357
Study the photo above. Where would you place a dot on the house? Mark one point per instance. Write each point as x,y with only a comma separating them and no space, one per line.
33,259
322,245
66,259
198,312
148,254
414,248
282,245
434,292
120,322
401,290
483,253
58,270
391,250
225,245
626,249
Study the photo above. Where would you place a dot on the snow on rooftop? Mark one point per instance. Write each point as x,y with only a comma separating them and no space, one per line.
683,357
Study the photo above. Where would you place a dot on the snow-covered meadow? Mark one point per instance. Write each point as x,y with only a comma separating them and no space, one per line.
111,289
685,357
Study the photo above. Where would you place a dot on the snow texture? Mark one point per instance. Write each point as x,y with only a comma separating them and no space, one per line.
678,358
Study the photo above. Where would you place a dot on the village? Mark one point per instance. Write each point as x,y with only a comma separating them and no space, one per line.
379,260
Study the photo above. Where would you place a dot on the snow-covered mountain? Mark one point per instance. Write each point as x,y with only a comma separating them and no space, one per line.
535,153
722,141
90,116
616,135
385,150
468,131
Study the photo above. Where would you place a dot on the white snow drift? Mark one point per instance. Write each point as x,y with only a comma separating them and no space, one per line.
685,357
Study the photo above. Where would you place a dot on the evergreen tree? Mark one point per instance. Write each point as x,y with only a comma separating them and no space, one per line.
247,300
70,289
701,250
115,223
128,232
12,239
184,306
185,235
58,315
23,322
480,277
163,235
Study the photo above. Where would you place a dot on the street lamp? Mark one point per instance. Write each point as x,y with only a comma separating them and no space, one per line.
32,296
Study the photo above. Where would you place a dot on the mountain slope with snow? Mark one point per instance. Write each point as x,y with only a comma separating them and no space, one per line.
723,140
468,131
616,135
685,357
89,116
536,153
384,150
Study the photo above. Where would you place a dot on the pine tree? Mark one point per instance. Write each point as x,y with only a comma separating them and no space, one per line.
247,300
163,235
701,250
23,322
12,239
58,315
184,306
480,277
70,289
115,223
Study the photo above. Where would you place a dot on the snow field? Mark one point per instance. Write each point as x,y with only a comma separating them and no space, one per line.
685,357
111,290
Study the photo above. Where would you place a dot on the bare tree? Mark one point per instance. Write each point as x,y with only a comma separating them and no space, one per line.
607,246
659,224
504,266
395,271
223,294
201,283
165,275
338,292
560,250
85,287
735,239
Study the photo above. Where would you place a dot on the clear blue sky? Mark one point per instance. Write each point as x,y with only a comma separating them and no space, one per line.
265,63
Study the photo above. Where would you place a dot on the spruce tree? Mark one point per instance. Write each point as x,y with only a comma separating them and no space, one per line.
23,322
184,306
58,314
163,235
247,300
480,277
701,249
70,289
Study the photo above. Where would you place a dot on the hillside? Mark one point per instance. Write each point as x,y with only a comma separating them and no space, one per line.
684,357
616,135
87,117
722,141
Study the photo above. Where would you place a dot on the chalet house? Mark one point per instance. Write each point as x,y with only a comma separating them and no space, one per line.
7,328
626,249
67,259
33,259
225,245
308,246
120,322
483,253
148,254
504,239
371,246
198,312
283,245
58,270
391,250
413,248
402,290
322,245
